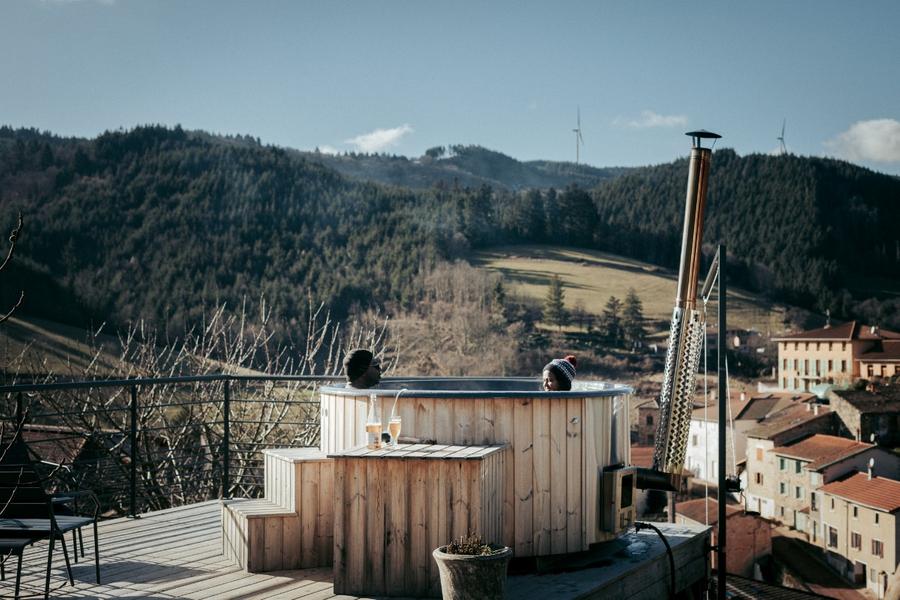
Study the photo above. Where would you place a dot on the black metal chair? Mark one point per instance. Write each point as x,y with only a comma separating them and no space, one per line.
28,512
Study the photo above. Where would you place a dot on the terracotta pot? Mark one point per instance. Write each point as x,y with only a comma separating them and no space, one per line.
471,577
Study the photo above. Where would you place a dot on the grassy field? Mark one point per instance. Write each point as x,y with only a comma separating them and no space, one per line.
592,277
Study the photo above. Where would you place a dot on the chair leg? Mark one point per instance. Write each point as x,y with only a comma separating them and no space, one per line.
75,544
3,567
96,552
62,542
81,541
49,563
19,573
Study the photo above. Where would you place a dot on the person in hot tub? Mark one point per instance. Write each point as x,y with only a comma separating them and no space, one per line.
362,369
559,374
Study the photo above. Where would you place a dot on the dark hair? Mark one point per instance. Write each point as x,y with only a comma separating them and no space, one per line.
357,363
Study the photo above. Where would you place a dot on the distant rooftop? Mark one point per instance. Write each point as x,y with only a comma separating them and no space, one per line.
699,512
788,418
886,351
885,399
842,333
758,407
822,450
879,492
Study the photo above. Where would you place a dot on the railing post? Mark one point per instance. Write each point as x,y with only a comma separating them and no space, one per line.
226,438
133,441
20,411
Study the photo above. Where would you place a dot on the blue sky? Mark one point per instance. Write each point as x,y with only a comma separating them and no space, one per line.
400,77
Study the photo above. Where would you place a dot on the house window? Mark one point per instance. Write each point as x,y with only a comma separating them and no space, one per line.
855,511
784,364
798,466
855,540
832,537
759,478
877,548
782,488
782,511
693,440
806,346
843,346
876,518
806,366
782,464
832,504
830,365
796,364
830,344
798,492
843,366
649,419
870,370
796,346
814,530
812,501
759,454
784,383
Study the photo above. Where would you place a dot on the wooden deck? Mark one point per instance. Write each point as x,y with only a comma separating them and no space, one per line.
175,553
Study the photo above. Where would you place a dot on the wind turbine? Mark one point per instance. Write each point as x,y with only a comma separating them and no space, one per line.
781,137
578,139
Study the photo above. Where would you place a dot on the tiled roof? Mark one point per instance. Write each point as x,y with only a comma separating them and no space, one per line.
742,588
758,407
642,456
885,399
785,419
886,351
878,492
696,510
822,450
842,333
711,412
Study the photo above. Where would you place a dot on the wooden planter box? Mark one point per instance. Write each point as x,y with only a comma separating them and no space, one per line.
393,507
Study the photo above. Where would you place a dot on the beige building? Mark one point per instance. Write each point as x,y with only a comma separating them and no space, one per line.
786,426
807,464
836,355
858,530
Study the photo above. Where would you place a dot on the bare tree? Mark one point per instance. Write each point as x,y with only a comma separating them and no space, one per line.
180,446
13,238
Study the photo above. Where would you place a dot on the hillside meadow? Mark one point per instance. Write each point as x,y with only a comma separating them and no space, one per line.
591,277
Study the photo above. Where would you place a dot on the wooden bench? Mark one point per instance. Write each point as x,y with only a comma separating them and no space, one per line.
291,528
394,506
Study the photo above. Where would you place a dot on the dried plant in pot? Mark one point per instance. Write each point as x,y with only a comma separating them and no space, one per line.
470,569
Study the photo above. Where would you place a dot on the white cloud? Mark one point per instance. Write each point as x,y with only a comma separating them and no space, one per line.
380,139
650,118
877,140
326,149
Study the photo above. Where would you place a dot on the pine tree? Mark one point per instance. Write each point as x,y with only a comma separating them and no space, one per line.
633,320
554,307
611,321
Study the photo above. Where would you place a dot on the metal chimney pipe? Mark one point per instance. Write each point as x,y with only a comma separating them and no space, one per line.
685,334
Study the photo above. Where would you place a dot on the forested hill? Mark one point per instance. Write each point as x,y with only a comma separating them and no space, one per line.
465,166
161,223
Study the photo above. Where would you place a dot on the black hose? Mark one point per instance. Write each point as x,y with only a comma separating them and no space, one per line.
637,527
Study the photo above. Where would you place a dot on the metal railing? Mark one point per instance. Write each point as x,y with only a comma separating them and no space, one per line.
150,443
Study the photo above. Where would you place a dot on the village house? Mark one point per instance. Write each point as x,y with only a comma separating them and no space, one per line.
749,536
858,530
644,431
836,355
869,415
807,464
788,425
703,436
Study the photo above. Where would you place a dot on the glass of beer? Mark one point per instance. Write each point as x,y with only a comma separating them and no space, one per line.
394,429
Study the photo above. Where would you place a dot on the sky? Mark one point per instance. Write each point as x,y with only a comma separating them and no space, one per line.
400,77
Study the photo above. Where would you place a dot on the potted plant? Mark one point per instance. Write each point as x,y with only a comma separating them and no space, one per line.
470,569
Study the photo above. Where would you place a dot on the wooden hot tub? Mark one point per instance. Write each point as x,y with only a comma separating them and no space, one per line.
559,442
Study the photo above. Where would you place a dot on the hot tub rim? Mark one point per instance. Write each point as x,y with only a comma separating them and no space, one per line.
587,389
